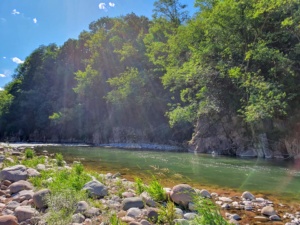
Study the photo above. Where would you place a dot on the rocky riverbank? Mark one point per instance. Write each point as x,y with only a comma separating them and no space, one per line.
45,190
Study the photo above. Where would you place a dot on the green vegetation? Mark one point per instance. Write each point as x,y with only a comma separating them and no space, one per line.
59,159
232,58
156,190
139,185
208,213
29,153
167,214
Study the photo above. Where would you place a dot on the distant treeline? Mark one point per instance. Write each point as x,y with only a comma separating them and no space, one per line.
161,75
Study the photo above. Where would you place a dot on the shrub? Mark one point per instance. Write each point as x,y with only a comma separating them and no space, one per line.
139,185
156,191
59,159
29,153
208,213
167,214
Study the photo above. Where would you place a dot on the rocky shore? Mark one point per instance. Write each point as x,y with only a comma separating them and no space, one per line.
53,192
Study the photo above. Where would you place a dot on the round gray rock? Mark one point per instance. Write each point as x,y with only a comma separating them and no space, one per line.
134,212
82,206
78,218
96,189
247,195
204,193
182,194
268,211
39,198
134,202
14,173
24,213
19,186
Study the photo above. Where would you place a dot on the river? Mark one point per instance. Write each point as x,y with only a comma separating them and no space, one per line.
279,178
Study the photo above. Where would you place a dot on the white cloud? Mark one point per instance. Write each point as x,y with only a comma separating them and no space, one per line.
102,6
111,4
15,12
4,57
17,60
2,75
34,20
1,89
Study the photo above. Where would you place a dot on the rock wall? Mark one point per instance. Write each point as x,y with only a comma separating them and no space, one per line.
229,135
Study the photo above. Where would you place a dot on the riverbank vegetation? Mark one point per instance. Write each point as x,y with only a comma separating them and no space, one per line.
135,79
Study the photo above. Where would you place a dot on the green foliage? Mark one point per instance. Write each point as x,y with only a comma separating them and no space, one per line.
156,190
208,213
139,185
62,205
29,153
167,214
59,159
34,160
114,220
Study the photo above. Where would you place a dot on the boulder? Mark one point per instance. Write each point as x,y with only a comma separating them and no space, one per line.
39,198
24,213
96,189
134,202
19,186
8,220
182,194
14,173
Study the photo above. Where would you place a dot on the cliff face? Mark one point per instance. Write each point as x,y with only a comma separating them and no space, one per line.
229,135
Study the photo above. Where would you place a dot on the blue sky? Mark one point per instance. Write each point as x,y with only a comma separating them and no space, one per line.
27,24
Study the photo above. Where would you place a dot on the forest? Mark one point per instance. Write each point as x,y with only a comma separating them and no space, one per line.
226,77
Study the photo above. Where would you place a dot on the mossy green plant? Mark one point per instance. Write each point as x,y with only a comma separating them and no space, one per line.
29,153
59,159
156,190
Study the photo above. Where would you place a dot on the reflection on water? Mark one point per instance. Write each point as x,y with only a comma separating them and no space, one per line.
281,178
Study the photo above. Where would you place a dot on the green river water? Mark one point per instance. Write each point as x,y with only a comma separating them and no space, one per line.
279,178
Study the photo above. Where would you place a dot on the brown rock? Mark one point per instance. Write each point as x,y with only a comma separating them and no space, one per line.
182,194
8,220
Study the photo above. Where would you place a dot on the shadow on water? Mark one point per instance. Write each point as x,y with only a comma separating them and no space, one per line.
280,178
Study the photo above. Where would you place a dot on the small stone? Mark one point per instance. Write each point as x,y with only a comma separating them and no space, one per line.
268,211
261,218
181,222
24,213
182,194
189,216
39,198
41,167
127,194
96,189
8,220
12,205
192,206
235,217
204,193
82,206
225,199
179,213
134,202
225,206
33,173
19,186
78,218
142,222
275,218
127,219
92,212
134,212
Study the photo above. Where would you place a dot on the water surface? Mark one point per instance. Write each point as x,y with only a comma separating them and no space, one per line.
276,177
